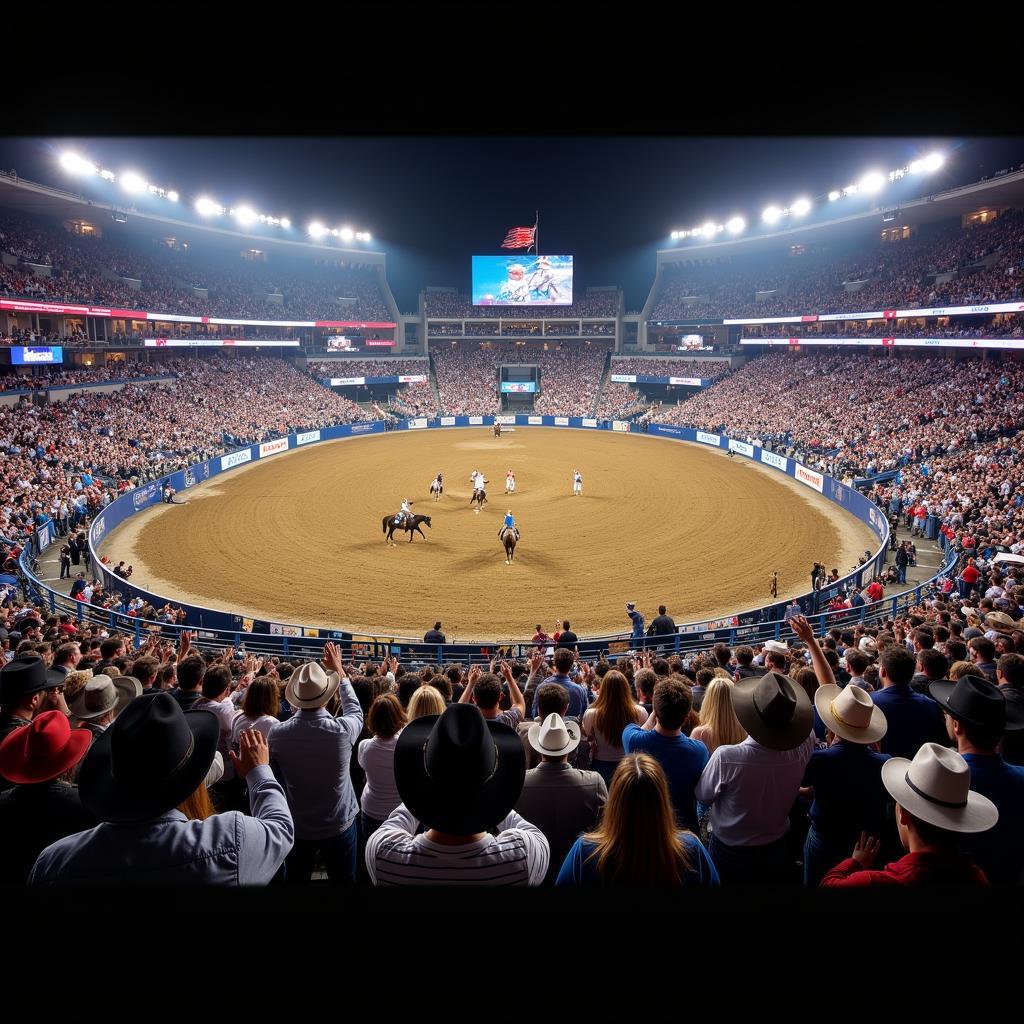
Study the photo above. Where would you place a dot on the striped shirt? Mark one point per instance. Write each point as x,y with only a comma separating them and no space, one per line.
395,855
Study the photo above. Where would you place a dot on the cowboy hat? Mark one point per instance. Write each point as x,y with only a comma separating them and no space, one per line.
1000,619
102,694
43,749
776,646
868,645
977,702
311,687
936,787
554,736
458,772
774,710
151,758
25,675
850,713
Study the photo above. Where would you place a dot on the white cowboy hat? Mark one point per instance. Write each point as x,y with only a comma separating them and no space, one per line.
868,645
776,646
936,787
554,736
311,687
850,713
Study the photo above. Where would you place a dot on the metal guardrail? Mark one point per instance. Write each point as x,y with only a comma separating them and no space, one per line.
688,639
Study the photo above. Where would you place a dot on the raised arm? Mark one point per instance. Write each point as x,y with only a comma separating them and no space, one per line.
822,669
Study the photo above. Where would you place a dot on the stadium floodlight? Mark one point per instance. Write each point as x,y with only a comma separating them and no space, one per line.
834,195
108,175
317,230
173,196
245,215
708,229
800,207
132,182
367,237
771,214
872,182
206,207
346,234
285,222
675,236
75,164
932,162
735,225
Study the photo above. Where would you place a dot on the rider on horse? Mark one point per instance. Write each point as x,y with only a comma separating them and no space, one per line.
509,524
405,512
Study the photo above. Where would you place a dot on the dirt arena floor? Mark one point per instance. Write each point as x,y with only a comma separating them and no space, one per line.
296,538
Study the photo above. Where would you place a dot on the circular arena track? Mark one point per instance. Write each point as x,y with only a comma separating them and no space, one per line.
297,538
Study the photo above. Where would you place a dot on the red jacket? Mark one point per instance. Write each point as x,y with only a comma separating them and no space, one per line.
970,574
913,869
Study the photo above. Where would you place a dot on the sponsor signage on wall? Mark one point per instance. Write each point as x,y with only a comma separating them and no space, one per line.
561,421
742,447
447,421
589,423
708,438
235,458
273,447
308,438
623,378
620,425
475,421
691,381
417,424
535,421
411,378
809,477
363,428
346,382
378,343
771,459
509,420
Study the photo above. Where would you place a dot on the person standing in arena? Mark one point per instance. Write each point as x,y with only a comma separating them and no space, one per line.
510,482
577,483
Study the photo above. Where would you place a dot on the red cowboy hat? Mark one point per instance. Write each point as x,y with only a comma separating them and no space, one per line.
43,750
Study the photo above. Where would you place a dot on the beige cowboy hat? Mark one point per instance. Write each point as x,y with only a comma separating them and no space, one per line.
554,736
1000,619
936,787
102,694
850,713
311,687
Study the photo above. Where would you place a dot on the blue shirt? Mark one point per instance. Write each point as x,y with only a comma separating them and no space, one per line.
848,792
999,852
682,759
226,849
638,622
578,702
579,868
310,755
912,721
509,521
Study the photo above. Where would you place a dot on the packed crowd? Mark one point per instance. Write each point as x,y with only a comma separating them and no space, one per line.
60,376
467,377
86,448
880,276
1002,326
457,304
874,755
92,270
709,369
857,413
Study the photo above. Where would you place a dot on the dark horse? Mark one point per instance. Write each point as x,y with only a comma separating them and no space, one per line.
410,526
497,429
508,540
480,497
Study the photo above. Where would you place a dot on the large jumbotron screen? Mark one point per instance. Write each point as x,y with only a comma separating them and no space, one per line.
522,280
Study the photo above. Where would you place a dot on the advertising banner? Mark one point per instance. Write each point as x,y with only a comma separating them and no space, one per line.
534,421
506,420
412,378
418,424
771,459
273,447
26,356
809,477
742,447
346,382
561,421
622,426
476,421
695,382
589,423
308,438
378,343
447,421
235,458
708,438
623,378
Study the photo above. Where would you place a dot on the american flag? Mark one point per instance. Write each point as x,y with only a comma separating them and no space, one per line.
519,238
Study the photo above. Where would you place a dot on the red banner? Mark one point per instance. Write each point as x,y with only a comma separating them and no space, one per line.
350,323
379,343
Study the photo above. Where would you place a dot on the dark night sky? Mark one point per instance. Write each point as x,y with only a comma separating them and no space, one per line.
432,202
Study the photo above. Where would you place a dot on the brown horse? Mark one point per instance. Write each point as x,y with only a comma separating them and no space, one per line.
480,497
410,526
508,541
497,429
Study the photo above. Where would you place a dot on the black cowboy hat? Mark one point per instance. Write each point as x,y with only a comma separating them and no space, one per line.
977,702
25,675
458,772
147,762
